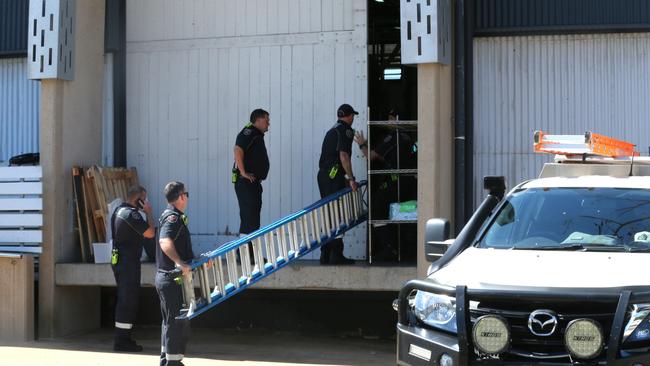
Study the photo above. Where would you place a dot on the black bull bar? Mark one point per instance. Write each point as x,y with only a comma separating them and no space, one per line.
623,296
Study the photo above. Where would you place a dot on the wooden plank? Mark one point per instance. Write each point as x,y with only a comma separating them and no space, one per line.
77,191
21,188
17,220
21,172
88,196
21,236
21,204
99,206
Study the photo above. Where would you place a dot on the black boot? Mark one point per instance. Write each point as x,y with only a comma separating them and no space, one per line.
325,254
336,253
124,343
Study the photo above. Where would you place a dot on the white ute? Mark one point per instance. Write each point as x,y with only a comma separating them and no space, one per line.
557,272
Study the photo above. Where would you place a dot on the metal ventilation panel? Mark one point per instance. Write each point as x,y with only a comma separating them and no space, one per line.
425,31
50,47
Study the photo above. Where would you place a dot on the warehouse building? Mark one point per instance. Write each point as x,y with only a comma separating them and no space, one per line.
165,87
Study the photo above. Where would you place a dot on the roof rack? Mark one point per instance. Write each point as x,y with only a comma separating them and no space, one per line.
588,144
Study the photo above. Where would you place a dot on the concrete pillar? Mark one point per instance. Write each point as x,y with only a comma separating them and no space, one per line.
17,300
435,150
71,125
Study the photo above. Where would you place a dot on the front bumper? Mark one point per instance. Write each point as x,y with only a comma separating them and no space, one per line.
418,346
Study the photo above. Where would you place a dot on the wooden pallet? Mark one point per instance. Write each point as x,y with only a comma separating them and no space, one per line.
99,186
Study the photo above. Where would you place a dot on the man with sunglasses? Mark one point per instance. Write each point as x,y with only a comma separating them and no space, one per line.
129,230
250,169
173,252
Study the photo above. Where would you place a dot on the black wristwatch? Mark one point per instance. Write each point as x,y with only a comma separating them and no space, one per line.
350,177
365,144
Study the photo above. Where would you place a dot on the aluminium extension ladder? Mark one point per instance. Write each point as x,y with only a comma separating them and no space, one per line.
221,275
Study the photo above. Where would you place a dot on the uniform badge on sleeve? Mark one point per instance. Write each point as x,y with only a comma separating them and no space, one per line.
247,131
172,219
349,133
136,216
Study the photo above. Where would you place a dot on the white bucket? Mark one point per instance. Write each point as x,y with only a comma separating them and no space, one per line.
102,252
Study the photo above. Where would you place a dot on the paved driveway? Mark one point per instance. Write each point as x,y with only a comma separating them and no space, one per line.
250,347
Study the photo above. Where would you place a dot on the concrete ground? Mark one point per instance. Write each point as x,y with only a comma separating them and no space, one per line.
207,347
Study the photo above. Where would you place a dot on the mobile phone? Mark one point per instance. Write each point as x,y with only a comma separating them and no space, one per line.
141,204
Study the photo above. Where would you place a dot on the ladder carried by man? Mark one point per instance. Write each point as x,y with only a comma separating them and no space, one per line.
221,274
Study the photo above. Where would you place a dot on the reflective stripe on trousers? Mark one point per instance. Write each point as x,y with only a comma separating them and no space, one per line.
123,325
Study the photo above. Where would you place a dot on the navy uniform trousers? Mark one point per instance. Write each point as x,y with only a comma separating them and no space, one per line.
175,333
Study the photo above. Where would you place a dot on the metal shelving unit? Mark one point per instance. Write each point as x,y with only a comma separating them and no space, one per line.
398,125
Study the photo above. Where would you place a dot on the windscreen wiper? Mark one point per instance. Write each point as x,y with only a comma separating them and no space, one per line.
596,247
637,249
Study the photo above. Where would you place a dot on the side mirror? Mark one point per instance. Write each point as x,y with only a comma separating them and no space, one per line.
436,238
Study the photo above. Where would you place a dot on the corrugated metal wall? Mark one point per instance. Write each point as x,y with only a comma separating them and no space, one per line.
562,84
19,109
494,17
196,70
13,27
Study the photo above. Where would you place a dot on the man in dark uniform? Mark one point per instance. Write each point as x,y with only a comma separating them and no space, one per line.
172,254
250,169
129,232
335,173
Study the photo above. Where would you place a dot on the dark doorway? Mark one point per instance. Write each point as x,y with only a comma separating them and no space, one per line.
391,85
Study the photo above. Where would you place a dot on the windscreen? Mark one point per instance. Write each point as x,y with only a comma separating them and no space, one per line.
609,219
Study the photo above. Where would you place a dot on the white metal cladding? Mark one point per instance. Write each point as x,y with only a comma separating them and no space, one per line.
19,109
156,20
194,74
565,84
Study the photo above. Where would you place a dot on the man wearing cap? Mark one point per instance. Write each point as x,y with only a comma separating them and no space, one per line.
335,173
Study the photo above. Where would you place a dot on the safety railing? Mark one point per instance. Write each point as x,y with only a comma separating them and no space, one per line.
222,274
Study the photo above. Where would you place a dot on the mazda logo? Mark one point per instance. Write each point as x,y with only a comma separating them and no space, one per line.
542,323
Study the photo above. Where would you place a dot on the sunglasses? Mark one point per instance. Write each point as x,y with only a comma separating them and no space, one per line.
187,194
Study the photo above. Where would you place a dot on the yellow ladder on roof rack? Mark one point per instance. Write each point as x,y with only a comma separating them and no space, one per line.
590,144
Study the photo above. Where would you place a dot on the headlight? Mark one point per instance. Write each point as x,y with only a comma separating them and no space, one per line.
637,328
584,338
491,334
437,311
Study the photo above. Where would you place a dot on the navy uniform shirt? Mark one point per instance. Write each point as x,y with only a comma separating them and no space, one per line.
172,226
338,138
128,228
256,159
388,150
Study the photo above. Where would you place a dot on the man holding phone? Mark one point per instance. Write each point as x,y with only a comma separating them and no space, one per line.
129,232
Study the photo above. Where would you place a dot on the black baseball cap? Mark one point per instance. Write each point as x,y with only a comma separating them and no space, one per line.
345,110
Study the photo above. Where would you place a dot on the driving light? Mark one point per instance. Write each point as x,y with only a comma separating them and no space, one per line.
638,327
491,334
437,311
584,338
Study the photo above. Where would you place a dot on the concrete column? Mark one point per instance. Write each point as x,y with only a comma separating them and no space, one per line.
435,150
71,125
17,300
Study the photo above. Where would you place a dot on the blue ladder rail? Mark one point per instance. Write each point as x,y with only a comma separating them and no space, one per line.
221,275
